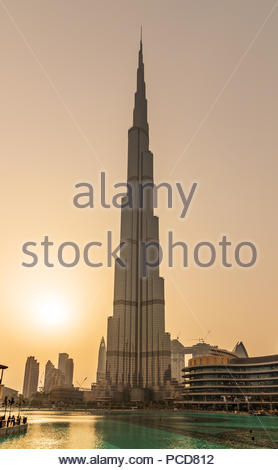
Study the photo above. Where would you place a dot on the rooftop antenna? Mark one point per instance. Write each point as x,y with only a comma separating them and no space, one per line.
201,340
141,33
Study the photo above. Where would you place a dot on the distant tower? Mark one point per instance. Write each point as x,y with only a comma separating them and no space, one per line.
177,360
101,365
48,376
65,365
31,377
69,372
62,360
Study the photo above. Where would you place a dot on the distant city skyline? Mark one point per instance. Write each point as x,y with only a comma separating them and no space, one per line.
49,377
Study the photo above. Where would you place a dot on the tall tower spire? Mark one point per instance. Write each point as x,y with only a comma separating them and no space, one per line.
138,347
140,104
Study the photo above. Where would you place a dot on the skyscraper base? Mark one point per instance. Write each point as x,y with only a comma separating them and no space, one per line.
142,395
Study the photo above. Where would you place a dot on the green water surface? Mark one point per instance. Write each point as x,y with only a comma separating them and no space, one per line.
144,430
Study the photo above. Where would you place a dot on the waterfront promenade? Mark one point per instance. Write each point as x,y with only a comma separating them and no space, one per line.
13,430
12,425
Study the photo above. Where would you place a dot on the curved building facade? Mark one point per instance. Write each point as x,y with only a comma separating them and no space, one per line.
219,382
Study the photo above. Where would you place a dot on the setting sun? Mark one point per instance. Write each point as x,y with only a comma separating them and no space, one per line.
52,310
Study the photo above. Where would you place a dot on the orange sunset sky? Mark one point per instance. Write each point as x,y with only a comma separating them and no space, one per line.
68,76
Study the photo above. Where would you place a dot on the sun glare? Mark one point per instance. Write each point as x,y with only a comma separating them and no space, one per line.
52,310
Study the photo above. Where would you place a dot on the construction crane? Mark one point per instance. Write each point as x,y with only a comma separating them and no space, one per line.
81,383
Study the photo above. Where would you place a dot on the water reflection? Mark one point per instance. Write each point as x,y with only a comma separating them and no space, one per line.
81,430
53,430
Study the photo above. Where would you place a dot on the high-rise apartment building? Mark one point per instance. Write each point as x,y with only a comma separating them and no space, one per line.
66,366
31,377
62,360
69,372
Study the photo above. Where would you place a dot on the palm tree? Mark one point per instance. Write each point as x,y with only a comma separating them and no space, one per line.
19,404
5,405
11,403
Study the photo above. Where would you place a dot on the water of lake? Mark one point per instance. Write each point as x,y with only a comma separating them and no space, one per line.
144,430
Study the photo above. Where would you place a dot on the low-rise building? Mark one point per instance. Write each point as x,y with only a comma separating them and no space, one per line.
68,395
9,393
222,382
2,368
